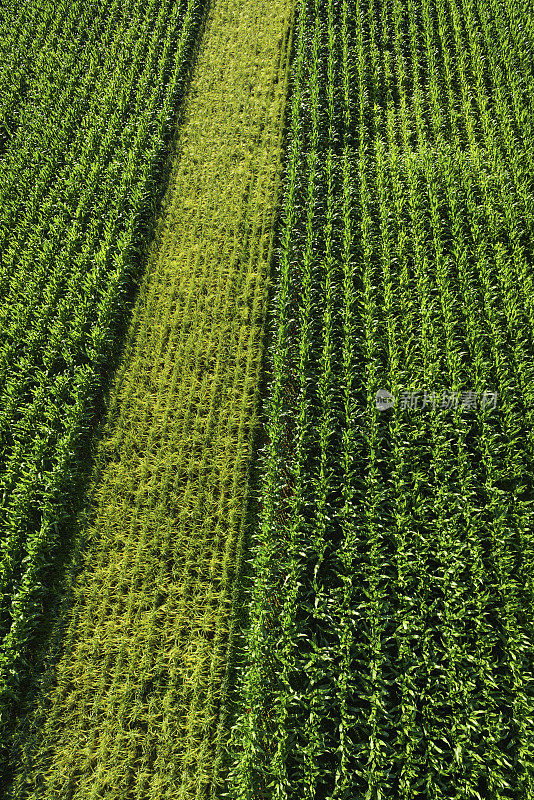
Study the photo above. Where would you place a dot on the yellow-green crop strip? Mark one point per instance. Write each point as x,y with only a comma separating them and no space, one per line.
133,706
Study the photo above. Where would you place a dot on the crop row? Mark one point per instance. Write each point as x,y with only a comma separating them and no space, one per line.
390,648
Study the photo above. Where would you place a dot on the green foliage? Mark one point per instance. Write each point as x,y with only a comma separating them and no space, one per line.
130,702
89,95
391,642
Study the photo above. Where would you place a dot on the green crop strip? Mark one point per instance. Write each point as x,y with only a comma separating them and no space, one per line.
132,707
390,652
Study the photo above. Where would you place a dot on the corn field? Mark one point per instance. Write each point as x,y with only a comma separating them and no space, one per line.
89,91
344,189
390,649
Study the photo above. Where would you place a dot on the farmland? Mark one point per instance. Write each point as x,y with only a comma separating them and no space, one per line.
348,187
129,703
88,92
390,649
